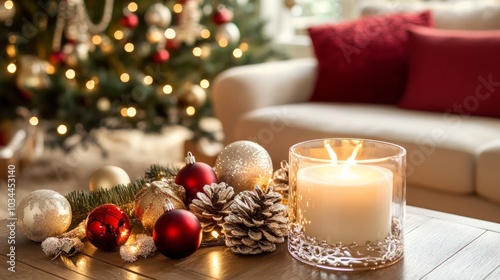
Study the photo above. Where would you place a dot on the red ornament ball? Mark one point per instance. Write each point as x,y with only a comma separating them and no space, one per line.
161,56
108,227
194,176
222,15
130,20
177,234
172,44
57,58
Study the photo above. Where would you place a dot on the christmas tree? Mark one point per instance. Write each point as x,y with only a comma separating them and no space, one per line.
81,65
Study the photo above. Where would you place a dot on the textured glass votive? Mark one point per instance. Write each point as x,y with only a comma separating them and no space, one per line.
346,203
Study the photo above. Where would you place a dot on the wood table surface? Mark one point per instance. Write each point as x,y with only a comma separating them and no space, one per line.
437,246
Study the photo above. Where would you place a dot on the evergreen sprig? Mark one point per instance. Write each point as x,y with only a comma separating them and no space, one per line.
82,203
156,172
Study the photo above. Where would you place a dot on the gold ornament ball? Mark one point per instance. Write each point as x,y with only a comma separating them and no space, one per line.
150,200
244,164
193,95
107,177
42,214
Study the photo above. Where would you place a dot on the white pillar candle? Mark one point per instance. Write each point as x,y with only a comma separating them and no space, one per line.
345,203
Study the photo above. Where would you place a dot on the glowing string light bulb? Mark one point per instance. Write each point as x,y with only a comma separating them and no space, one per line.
169,33
34,121
124,77
11,68
204,83
129,47
167,89
177,8
205,33
8,4
190,110
118,35
237,53
131,112
70,74
197,51
148,80
132,7
62,129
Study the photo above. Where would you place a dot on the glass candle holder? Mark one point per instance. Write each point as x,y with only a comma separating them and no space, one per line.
347,203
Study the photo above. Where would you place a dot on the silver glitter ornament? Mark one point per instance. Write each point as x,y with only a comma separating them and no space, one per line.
42,214
244,164
158,15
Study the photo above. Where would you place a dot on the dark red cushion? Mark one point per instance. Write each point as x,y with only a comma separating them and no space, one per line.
454,71
364,60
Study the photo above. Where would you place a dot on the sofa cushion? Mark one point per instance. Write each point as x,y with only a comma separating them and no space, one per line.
454,71
441,148
470,15
363,60
488,175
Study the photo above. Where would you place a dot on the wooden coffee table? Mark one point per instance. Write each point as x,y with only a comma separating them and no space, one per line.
437,246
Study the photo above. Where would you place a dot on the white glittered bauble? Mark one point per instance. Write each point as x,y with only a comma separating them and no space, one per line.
228,31
244,164
42,214
107,177
158,15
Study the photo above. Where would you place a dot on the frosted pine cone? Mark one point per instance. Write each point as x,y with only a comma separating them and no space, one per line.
212,205
280,181
257,222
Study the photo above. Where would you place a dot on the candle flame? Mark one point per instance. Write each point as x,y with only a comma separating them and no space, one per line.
331,152
350,160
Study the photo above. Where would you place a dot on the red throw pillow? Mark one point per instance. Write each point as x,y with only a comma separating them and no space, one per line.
454,71
364,60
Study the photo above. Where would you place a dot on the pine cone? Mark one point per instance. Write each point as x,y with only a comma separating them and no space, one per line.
280,181
257,222
213,205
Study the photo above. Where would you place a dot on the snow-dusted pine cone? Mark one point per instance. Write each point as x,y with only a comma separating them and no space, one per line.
213,205
257,222
280,181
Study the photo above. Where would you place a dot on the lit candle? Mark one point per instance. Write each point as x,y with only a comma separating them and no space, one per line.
345,203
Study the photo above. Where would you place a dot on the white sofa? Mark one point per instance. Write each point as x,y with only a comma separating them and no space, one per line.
453,162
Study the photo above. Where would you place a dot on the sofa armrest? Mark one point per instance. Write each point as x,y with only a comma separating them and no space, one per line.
487,175
245,88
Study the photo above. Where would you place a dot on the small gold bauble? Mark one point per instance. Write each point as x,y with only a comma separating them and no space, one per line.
107,177
150,200
42,214
192,95
244,164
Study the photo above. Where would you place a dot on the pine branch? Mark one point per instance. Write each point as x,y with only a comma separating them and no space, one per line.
122,195
83,203
157,172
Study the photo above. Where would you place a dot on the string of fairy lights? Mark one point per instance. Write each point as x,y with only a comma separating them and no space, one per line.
153,36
